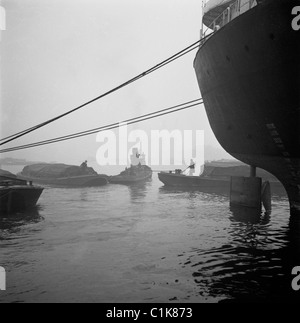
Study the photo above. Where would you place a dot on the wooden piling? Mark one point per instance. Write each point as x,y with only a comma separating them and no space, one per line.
246,191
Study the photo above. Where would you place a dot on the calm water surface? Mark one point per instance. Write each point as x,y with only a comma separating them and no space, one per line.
147,244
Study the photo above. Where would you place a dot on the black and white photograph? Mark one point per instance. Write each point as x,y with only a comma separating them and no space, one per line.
150,154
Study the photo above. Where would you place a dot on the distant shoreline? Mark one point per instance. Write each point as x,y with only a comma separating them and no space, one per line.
4,163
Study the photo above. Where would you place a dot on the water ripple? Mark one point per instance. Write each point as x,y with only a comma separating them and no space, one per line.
147,243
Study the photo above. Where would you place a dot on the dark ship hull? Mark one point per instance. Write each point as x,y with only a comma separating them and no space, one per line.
249,77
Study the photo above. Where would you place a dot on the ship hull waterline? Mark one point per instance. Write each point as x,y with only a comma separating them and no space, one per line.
249,78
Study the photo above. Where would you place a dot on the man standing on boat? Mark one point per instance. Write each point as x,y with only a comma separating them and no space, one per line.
192,168
84,165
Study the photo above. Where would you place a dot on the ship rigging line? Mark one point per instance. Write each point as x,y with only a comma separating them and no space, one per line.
149,71
179,107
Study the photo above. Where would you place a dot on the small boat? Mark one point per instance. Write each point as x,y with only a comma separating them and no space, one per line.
178,179
138,172
132,175
215,178
17,195
61,175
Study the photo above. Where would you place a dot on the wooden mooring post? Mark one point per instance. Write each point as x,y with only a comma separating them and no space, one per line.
246,191
250,191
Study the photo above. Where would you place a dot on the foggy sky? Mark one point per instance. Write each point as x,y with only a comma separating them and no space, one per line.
58,54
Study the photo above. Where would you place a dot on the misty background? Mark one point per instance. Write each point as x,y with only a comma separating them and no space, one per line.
58,54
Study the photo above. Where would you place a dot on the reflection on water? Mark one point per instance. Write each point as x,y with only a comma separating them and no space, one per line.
221,191
256,263
147,243
9,223
249,215
138,191
84,196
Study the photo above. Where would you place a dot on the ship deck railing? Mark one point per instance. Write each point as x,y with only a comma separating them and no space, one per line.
233,11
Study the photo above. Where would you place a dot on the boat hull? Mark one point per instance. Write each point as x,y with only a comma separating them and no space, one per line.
129,180
207,184
176,180
19,198
249,77
76,181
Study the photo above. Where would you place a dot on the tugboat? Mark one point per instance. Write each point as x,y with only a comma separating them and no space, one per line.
248,73
61,175
138,172
17,195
